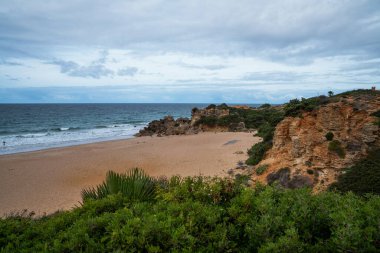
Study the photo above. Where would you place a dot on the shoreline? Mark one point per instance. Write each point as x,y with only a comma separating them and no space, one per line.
71,143
68,145
48,180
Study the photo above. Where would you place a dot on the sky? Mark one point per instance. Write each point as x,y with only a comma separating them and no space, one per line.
198,51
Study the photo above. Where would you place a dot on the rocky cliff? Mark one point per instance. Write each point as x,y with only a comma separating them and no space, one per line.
169,126
310,150
198,123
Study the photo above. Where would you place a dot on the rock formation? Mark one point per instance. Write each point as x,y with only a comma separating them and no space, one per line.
183,126
169,126
302,155
197,114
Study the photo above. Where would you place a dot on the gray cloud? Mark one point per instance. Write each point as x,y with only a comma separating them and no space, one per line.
9,63
10,78
73,69
293,31
208,67
279,76
128,71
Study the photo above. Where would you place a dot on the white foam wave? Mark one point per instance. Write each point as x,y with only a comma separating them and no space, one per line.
36,141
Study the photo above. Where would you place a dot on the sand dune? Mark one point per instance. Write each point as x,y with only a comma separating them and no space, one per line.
48,180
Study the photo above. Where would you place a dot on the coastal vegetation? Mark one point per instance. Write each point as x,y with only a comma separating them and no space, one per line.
199,214
329,136
363,177
295,107
336,147
133,185
261,169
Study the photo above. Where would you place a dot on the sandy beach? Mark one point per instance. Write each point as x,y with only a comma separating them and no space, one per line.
49,180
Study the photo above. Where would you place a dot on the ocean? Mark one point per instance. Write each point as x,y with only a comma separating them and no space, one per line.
28,127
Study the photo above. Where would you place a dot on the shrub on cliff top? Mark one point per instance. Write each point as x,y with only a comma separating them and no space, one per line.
210,121
194,110
363,177
376,114
329,136
223,106
336,146
266,105
261,169
295,107
257,152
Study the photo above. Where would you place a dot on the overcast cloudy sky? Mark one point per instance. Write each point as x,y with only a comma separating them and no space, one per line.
186,51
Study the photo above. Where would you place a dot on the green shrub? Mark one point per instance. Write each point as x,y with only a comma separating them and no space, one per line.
205,215
210,121
211,106
295,107
336,146
266,105
133,185
329,136
376,114
363,177
194,110
266,131
222,106
359,92
228,119
261,169
256,152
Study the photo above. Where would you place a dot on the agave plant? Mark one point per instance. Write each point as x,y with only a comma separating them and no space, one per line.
135,185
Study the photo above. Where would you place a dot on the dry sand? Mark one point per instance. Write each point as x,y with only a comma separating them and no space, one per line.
49,180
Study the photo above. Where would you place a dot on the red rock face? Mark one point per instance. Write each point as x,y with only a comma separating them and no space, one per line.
300,143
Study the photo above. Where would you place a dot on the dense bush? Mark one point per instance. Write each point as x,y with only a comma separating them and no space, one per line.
211,106
329,136
205,215
266,105
222,106
210,121
377,114
295,106
359,92
228,119
252,118
256,152
336,146
261,169
363,177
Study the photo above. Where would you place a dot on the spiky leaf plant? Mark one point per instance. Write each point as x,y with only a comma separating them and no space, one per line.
134,185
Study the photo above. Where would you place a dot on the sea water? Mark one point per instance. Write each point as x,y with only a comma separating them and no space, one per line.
27,127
